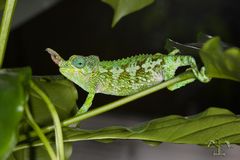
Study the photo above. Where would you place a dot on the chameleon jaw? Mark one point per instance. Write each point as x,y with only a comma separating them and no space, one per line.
57,59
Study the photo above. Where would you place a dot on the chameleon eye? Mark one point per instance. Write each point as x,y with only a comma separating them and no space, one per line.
78,62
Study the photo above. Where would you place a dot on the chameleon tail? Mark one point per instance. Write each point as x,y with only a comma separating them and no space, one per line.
201,75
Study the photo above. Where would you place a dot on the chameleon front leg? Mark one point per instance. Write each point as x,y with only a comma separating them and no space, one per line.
87,104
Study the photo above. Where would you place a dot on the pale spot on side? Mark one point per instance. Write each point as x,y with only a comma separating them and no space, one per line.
142,79
134,86
102,70
132,69
149,64
157,76
76,74
132,81
116,71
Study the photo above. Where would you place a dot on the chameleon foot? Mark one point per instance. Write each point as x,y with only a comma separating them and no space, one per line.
87,104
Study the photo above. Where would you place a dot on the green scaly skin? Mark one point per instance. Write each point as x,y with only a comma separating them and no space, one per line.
125,76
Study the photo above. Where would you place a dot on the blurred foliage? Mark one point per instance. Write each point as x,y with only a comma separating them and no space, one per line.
125,7
221,63
13,97
2,3
61,92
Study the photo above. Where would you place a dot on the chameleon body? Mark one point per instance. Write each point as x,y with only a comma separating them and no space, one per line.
125,76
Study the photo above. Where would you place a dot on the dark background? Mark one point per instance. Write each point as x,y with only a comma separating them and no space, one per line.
84,27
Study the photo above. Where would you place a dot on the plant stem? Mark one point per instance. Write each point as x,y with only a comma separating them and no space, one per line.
184,76
56,120
40,134
5,26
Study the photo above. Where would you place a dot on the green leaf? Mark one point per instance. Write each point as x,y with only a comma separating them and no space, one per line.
221,63
212,124
38,153
125,7
13,97
61,92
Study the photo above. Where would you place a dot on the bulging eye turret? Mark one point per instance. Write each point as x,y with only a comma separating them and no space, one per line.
78,61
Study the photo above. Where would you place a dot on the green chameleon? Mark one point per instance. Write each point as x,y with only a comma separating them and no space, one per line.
124,76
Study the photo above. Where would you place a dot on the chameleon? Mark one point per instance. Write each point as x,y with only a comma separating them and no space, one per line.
125,76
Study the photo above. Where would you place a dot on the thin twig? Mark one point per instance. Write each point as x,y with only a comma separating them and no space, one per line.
56,120
40,134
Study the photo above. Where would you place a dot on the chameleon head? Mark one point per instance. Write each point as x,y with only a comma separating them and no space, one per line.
78,69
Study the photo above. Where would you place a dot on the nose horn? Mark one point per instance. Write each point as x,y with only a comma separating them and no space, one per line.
55,56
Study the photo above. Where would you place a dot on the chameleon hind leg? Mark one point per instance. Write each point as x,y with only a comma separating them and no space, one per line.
172,73
87,104
173,62
174,52
200,75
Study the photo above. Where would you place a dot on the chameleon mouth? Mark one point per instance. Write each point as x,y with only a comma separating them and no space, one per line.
57,59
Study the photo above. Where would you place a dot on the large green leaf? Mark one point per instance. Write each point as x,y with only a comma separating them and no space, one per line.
221,63
61,92
13,97
125,7
215,124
